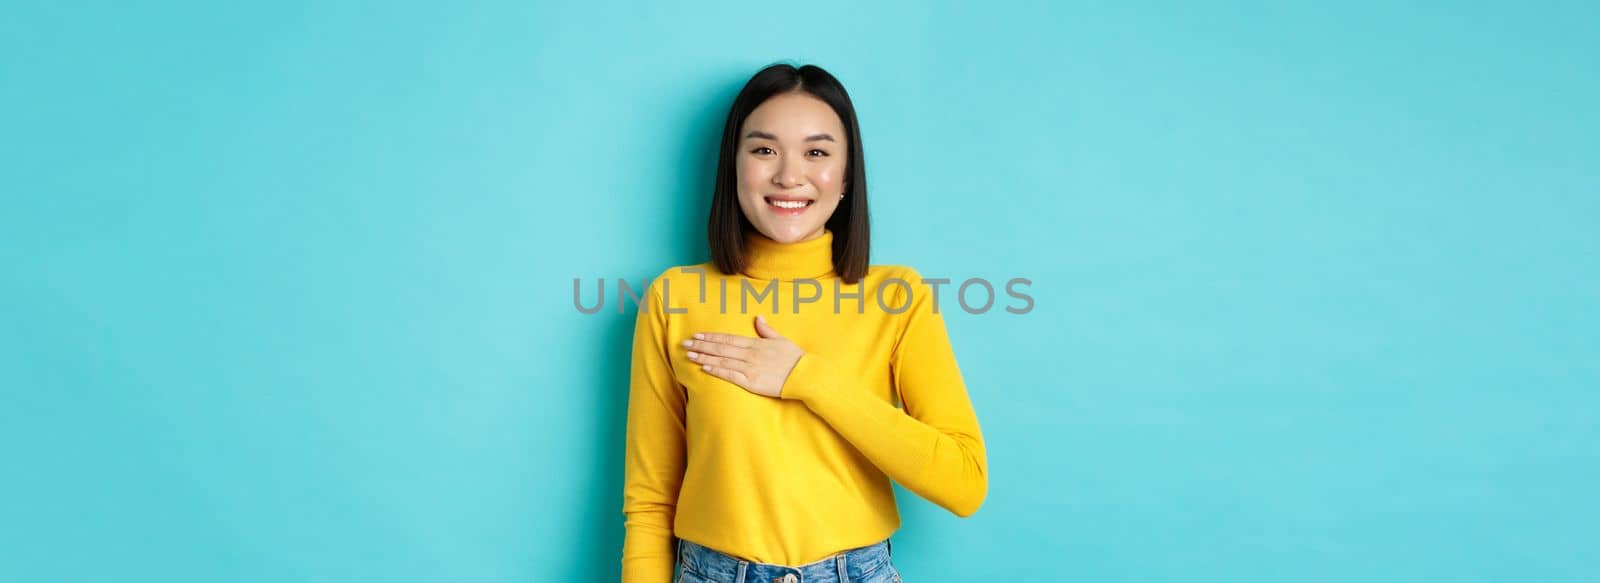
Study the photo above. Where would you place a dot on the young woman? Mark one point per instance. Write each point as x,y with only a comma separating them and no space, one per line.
777,388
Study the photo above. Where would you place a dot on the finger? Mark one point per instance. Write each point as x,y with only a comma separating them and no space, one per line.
727,374
765,330
708,347
718,361
729,339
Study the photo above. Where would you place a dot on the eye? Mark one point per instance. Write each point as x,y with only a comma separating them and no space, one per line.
761,150
818,152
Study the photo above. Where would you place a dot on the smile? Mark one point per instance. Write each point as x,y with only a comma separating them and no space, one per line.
788,206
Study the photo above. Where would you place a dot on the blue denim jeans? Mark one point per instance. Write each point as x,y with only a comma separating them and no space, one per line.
868,564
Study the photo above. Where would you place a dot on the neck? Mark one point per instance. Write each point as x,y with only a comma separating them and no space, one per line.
769,259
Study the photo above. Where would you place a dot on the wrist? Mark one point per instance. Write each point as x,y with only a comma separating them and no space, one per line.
794,384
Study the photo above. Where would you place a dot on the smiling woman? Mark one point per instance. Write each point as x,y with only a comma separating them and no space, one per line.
764,445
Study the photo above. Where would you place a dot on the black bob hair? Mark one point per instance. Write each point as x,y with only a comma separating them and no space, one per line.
727,227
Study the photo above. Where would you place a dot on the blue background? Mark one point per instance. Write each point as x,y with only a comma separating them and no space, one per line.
286,289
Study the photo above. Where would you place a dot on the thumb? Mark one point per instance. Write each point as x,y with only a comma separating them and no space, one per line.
766,330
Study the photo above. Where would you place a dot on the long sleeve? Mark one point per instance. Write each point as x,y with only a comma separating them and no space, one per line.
934,447
656,450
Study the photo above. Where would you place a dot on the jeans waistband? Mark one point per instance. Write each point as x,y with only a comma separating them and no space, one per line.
857,564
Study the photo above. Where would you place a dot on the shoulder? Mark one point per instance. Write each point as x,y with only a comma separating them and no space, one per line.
901,276
896,282
678,274
676,285
905,273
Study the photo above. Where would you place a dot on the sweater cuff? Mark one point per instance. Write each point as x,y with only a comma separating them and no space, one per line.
810,377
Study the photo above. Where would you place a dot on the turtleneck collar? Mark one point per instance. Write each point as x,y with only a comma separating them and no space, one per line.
769,259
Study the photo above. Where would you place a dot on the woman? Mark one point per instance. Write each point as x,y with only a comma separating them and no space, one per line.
763,422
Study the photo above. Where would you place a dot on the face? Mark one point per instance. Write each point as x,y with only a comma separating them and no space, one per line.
791,166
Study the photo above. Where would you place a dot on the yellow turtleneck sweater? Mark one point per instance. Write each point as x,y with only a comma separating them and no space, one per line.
794,479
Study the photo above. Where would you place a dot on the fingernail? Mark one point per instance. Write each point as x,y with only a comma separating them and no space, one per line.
699,336
694,355
689,342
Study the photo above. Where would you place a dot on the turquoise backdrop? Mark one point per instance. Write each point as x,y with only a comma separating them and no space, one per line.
286,288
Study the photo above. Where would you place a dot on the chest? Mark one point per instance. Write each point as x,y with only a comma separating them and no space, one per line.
857,346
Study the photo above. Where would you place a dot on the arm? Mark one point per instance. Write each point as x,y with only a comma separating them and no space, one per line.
934,448
654,464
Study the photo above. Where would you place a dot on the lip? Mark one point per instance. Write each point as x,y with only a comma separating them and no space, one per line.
783,212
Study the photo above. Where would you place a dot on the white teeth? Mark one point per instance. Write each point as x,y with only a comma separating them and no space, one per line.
787,204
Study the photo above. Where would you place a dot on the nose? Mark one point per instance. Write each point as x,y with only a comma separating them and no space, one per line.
785,176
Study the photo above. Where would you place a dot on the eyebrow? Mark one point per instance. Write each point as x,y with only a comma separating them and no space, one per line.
765,135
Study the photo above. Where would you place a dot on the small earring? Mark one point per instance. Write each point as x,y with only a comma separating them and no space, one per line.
841,197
